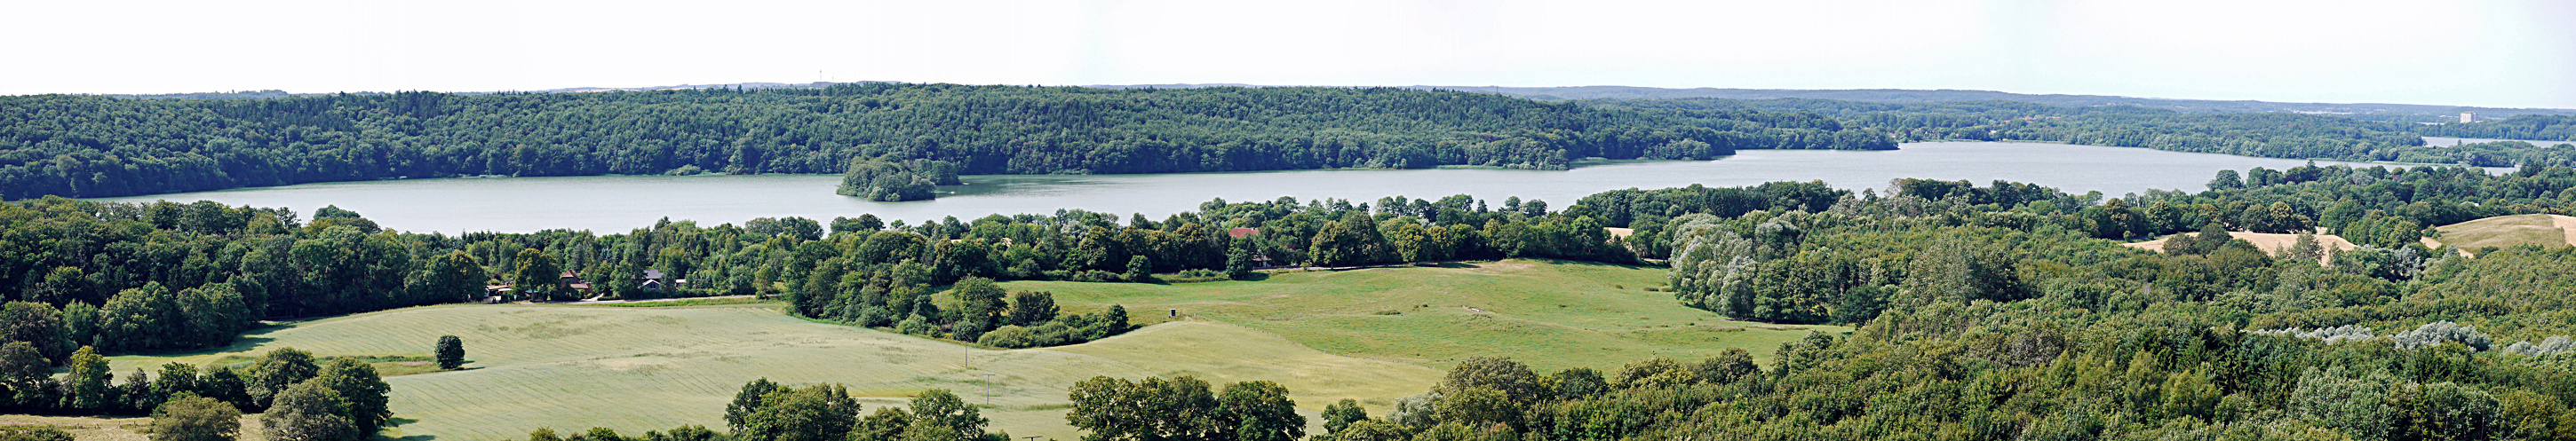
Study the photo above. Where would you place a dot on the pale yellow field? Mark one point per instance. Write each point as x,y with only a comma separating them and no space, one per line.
2270,243
2506,231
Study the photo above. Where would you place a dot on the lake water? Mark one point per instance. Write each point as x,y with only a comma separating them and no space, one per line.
610,204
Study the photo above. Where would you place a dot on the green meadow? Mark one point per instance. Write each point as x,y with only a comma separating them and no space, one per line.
1372,335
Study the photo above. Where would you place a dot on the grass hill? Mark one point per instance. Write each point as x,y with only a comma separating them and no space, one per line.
2505,231
1318,333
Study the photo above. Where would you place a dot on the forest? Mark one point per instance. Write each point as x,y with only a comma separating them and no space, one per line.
91,146
2270,135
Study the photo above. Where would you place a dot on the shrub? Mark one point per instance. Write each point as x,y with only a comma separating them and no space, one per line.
1097,276
1009,336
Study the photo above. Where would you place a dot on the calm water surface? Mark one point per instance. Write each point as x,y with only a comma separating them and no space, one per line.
608,204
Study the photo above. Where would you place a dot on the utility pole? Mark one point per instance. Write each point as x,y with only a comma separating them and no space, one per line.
988,389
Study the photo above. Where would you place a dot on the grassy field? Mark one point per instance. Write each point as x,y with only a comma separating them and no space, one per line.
1551,315
1373,335
2506,231
636,369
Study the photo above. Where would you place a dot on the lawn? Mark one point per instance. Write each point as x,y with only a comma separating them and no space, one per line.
1551,315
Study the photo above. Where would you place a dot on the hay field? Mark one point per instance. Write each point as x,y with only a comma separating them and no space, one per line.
2270,243
2506,231
637,369
1551,315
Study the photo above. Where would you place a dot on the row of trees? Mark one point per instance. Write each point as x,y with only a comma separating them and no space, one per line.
304,399
91,146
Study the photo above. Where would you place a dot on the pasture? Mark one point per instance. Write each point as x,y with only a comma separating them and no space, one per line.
1373,335
1551,315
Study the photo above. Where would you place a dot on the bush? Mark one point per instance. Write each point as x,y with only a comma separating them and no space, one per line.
915,325
189,417
1009,336
1097,276
1195,275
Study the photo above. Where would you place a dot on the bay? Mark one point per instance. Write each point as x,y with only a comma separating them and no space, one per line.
611,204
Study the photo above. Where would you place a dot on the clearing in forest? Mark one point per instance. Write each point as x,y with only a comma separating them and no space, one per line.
2546,230
2270,243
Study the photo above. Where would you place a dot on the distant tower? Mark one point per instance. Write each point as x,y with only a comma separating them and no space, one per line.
2468,117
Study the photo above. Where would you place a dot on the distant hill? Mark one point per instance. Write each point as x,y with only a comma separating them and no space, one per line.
1920,96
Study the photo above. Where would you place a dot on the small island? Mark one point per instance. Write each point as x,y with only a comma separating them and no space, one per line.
885,179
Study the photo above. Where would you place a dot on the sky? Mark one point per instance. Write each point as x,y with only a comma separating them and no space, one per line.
2501,53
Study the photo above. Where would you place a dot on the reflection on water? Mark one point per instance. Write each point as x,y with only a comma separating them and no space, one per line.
618,203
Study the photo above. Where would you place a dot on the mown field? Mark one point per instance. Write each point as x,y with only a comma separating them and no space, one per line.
2546,230
1373,335
1551,315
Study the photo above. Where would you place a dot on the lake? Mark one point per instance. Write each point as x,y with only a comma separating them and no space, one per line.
612,204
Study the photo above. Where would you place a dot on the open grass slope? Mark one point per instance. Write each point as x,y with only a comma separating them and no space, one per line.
636,369
1551,315
2546,230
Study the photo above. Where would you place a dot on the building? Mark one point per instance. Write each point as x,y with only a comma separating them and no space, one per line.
652,281
2468,117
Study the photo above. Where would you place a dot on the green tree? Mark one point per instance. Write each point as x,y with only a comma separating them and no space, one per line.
27,375
88,381
1140,269
280,369
365,397
942,408
538,273
1032,308
1500,374
981,306
1342,414
37,324
738,413
453,277
1260,411
822,412
175,379
188,417
451,352
308,411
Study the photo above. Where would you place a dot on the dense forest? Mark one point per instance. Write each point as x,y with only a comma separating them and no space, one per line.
888,180
2271,135
1982,313
87,146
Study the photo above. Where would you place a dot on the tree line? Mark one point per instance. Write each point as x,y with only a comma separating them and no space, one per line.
2270,135
91,146
303,398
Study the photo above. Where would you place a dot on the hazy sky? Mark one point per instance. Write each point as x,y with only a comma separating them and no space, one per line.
2487,53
